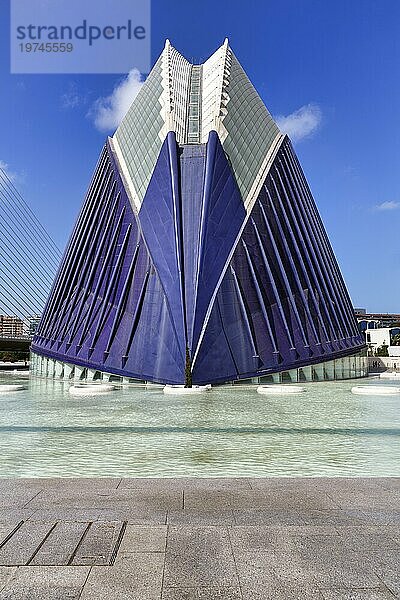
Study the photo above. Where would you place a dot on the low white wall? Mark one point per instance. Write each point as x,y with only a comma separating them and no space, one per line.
376,364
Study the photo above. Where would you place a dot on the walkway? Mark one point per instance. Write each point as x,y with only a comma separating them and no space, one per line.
204,539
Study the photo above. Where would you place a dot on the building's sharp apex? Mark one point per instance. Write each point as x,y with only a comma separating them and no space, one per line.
193,100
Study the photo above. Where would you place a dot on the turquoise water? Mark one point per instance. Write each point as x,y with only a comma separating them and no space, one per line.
232,431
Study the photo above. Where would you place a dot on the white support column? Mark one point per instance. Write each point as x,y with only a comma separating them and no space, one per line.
51,363
307,372
68,369
78,372
90,374
59,367
319,371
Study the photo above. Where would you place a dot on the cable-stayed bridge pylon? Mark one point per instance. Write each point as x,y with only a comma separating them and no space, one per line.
29,260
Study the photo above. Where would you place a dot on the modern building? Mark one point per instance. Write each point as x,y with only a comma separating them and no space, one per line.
199,247
390,363
32,324
381,336
11,326
374,320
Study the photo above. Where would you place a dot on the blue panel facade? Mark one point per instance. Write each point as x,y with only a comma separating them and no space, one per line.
223,214
108,309
161,225
192,171
282,303
246,294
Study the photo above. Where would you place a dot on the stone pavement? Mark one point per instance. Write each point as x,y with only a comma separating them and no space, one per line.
205,539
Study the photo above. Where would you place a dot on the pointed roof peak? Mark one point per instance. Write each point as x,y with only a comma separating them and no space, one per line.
168,46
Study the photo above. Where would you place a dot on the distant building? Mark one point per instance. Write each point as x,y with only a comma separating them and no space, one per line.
31,324
381,336
384,322
385,363
11,326
380,319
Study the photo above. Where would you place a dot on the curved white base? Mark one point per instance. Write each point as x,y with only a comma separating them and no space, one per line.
376,390
387,375
21,374
90,389
180,390
280,390
11,388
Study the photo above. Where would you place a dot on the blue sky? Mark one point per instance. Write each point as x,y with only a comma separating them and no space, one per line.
331,68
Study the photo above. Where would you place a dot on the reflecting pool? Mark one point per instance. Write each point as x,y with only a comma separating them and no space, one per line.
230,432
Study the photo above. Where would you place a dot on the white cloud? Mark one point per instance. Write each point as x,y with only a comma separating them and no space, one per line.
18,178
389,205
301,123
5,167
71,98
108,112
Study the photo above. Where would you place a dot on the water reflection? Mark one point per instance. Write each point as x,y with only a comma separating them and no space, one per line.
231,432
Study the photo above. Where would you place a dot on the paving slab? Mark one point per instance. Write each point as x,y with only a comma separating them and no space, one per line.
135,516
73,498
202,593
137,577
187,483
305,592
259,591
258,499
369,541
378,517
98,545
269,517
345,575
305,530
58,483
282,568
199,516
379,499
259,539
17,498
45,583
21,547
60,545
356,594
144,539
391,580
279,592
6,573
336,517
7,528
64,514
199,556
108,500
15,514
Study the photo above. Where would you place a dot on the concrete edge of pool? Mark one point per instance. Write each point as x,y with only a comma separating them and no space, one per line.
186,538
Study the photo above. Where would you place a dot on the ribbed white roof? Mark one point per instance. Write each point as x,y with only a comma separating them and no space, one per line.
191,102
